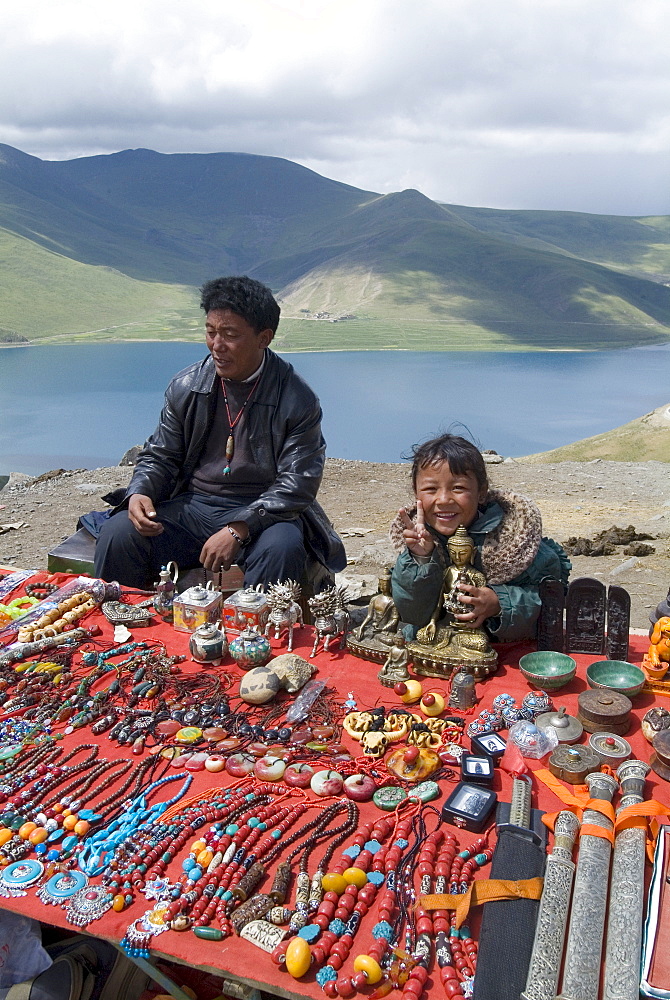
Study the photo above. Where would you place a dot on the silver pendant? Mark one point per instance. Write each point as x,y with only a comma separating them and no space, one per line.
15,878
61,887
88,904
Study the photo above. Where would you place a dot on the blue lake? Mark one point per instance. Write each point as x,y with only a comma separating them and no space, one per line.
83,406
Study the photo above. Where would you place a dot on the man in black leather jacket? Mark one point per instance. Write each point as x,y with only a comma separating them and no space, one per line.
232,470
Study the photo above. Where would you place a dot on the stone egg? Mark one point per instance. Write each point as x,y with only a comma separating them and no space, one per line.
259,686
654,722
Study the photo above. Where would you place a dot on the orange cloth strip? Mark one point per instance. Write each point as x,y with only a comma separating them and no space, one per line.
636,816
578,797
486,890
591,830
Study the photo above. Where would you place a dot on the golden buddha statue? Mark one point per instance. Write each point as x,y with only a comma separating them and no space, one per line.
446,642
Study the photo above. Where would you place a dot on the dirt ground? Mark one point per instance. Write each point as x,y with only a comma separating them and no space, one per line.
361,498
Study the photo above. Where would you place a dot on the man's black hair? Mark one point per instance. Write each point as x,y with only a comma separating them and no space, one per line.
461,455
244,296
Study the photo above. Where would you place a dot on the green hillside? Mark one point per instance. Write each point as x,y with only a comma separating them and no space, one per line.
130,235
645,439
46,296
434,277
639,245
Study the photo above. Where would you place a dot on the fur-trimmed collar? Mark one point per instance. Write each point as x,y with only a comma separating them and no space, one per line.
510,547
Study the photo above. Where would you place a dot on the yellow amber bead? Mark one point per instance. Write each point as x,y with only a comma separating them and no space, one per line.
204,858
197,846
298,957
334,882
435,706
70,822
413,693
26,830
5,835
355,876
81,827
367,965
38,836
119,903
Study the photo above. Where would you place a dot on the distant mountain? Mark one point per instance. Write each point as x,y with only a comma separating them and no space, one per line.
398,269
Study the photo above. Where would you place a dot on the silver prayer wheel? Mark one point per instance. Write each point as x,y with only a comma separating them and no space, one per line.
624,923
545,960
581,972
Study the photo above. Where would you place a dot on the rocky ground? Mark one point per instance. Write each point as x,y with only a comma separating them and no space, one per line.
361,498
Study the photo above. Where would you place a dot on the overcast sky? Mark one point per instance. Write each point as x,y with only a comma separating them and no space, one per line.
557,104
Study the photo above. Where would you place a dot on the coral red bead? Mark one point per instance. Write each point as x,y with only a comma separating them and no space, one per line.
367,893
359,981
424,925
336,962
321,920
330,989
412,988
453,989
448,974
345,988
319,954
420,973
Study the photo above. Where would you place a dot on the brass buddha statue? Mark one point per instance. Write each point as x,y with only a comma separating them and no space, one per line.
445,642
375,635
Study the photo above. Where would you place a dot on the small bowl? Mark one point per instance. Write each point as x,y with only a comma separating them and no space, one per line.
616,675
547,669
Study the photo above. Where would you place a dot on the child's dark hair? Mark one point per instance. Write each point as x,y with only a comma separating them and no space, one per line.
461,455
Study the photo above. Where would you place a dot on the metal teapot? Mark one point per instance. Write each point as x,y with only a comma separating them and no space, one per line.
208,644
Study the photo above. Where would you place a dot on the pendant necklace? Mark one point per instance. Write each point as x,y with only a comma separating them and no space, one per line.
230,443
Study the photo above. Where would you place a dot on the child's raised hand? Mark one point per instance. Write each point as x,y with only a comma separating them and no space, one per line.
417,538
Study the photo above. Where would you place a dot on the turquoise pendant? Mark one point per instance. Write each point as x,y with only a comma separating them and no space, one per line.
21,874
61,886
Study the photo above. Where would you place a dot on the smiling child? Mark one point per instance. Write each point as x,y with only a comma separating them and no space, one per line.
452,489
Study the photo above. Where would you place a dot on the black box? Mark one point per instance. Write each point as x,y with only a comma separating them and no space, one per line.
489,744
477,769
469,807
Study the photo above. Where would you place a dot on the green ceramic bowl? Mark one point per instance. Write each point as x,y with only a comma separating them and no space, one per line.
547,669
617,675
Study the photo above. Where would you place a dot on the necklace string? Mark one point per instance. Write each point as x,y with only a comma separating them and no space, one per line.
230,443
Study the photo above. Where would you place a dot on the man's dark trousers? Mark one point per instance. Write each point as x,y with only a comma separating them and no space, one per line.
188,521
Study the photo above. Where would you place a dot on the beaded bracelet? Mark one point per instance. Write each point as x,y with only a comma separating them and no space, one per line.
40,590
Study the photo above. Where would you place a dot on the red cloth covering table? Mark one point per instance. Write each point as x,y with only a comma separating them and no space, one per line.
350,676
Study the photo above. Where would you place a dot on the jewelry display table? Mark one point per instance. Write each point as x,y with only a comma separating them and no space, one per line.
353,680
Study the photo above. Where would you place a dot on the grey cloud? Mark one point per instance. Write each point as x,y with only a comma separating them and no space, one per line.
481,102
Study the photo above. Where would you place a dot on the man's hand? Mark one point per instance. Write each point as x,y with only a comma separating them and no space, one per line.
143,516
220,550
417,538
484,601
